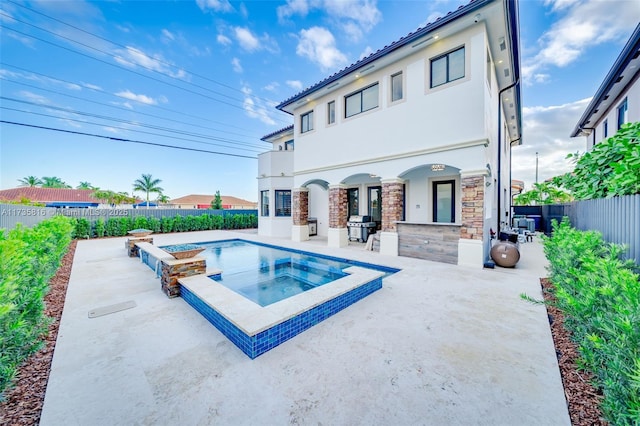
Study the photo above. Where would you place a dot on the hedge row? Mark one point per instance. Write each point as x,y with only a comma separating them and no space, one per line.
29,257
599,295
118,227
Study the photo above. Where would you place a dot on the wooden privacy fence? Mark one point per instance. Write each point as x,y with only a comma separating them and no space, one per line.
12,214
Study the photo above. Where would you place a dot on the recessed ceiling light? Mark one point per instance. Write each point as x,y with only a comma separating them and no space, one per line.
435,37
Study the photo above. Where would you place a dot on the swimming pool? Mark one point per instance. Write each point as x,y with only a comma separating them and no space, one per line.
258,324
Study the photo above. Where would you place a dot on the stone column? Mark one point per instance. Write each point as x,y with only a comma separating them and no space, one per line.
338,235
300,214
130,245
174,269
471,246
392,205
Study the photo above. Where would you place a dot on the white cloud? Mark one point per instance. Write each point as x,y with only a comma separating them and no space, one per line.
366,52
91,86
271,87
294,84
215,5
546,131
246,39
132,57
255,108
237,67
39,99
355,18
318,45
144,99
168,34
223,40
584,25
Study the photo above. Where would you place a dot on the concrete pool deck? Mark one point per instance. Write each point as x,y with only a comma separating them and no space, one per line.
437,345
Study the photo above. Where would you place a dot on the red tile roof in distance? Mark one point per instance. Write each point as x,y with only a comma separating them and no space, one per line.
48,195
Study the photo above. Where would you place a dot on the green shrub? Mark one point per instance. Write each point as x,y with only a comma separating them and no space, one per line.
599,295
167,224
99,228
154,224
140,222
111,228
82,228
29,257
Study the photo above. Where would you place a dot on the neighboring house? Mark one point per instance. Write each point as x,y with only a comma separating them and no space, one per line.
51,197
617,101
417,135
198,201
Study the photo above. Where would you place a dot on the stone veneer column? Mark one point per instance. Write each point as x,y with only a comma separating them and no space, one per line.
472,207
392,205
300,214
338,234
471,246
132,248
174,269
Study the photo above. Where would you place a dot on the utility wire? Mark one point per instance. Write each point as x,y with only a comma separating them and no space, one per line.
125,69
126,140
119,120
255,146
99,90
126,129
127,47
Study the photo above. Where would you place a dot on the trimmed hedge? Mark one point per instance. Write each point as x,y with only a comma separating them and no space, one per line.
29,257
599,295
119,227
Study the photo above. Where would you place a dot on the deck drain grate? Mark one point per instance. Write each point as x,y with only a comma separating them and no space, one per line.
112,309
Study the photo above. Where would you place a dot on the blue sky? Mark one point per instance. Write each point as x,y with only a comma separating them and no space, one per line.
206,75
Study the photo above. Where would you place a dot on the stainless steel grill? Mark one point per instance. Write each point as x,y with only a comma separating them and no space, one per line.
360,227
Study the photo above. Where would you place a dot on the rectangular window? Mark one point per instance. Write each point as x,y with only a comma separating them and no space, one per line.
361,101
396,87
331,112
306,122
605,130
264,203
288,146
447,68
622,113
283,203
375,204
444,201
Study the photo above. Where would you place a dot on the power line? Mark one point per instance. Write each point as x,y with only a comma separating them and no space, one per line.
126,47
119,120
124,128
133,100
125,69
256,146
126,140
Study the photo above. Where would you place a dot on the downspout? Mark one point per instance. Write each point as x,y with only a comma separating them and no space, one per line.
499,183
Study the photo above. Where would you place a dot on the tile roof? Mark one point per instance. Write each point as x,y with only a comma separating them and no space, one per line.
196,199
283,130
472,6
47,195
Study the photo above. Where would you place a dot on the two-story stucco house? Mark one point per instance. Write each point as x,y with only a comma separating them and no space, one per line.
417,135
617,100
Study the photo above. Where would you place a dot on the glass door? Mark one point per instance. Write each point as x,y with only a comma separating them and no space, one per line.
444,210
375,204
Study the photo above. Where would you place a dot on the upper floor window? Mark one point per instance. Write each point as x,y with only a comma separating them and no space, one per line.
396,87
283,203
622,113
331,112
306,122
605,129
288,146
361,101
447,68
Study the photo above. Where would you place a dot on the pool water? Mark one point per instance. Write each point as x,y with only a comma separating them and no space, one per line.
265,274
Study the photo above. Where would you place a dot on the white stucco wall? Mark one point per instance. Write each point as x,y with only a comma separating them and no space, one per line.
632,94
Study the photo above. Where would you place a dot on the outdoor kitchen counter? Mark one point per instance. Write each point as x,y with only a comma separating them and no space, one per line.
430,241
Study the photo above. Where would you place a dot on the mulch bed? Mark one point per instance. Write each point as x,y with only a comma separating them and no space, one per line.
23,404
583,399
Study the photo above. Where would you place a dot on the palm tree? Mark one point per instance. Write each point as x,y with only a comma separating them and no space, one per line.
30,181
147,184
54,182
85,185
163,199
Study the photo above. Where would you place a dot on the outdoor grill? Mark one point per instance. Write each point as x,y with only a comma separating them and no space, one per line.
360,227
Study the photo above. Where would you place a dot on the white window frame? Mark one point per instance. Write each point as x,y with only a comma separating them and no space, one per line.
360,93
391,91
329,118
